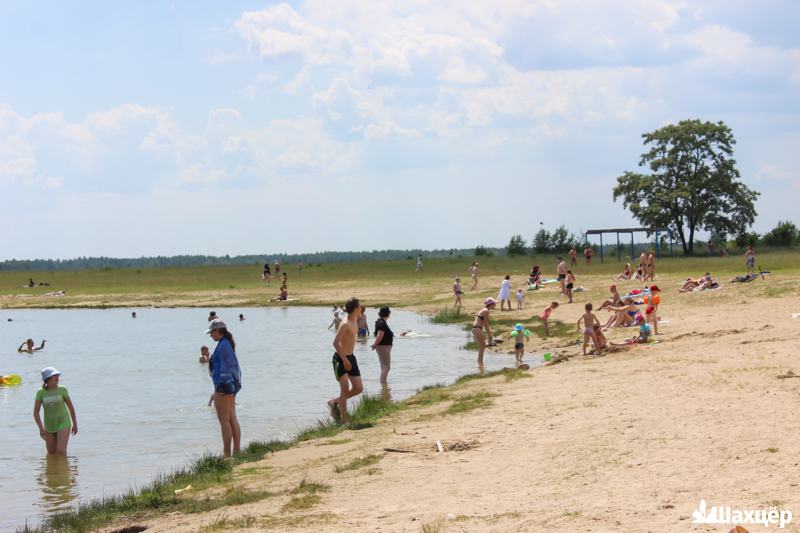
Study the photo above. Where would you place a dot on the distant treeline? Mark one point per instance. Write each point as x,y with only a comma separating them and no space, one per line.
89,263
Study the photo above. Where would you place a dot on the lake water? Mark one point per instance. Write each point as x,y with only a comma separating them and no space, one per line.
140,394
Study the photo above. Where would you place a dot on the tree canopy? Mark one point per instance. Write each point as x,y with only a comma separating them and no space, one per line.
694,183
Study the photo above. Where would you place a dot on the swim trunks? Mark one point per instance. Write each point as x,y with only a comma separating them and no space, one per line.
570,285
229,387
562,276
362,332
338,366
518,346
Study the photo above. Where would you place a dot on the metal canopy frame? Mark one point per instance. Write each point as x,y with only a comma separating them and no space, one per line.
617,231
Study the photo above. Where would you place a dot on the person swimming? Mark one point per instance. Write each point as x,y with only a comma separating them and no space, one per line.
29,346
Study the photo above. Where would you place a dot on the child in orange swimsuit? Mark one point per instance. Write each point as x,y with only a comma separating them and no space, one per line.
652,302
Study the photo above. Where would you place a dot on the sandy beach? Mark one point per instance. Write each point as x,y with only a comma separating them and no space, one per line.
631,441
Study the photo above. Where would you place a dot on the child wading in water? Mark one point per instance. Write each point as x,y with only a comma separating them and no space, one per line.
520,335
457,292
589,320
58,411
545,315
336,321
345,365
520,298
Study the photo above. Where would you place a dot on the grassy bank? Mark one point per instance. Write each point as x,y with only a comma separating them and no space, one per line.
168,493
387,282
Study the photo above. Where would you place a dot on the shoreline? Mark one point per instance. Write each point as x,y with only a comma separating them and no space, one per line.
617,442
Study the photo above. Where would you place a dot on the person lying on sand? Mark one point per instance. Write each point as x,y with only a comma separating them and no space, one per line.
56,293
28,346
705,282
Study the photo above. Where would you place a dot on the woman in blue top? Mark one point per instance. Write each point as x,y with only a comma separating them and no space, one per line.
227,378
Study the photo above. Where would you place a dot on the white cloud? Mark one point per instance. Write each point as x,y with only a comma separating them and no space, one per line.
223,58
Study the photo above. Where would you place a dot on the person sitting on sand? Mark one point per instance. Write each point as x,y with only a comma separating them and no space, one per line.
204,356
645,331
29,346
589,320
545,316
283,295
627,274
31,283
639,273
624,314
615,298
345,365
535,278
337,321
602,342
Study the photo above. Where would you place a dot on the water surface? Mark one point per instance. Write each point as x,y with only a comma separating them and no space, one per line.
141,396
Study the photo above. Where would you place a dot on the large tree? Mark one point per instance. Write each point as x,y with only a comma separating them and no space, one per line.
693,184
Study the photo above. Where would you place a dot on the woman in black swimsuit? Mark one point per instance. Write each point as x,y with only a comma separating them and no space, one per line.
480,325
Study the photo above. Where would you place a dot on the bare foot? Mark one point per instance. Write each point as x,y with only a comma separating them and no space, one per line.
333,407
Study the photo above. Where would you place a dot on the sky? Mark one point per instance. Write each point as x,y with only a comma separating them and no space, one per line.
158,128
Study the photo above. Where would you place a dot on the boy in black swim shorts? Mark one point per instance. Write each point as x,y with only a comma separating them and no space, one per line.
345,367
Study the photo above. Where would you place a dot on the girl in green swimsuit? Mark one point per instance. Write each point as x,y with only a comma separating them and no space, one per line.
59,413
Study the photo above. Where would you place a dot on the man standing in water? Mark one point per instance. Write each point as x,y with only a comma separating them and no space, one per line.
345,366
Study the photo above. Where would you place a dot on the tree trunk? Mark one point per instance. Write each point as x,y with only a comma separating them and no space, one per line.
691,240
682,237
